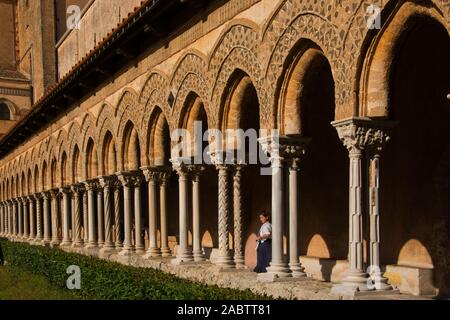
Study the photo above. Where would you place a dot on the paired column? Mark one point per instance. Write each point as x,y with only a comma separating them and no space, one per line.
196,173
237,212
129,182
66,192
224,259
20,218
77,191
152,177
38,198
184,253
14,217
31,218
46,205
55,222
100,217
26,218
91,187
357,134
2,229
107,183
374,154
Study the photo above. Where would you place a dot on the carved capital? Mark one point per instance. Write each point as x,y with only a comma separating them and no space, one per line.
65,190
284,149
130,179
108,181
181,165
38,196
54,193
359,134
77,188
151,174
45,195
92,185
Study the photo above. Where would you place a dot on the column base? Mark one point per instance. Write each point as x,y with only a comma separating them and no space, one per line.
66,243
55,243
297,270
91,247
352,283
199,256
381,283
139,250
126,252
239,262
181,259
224,262
276,272
166,253
78,244
152,253
107,251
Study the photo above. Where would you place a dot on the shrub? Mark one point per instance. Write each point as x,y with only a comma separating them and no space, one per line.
104,280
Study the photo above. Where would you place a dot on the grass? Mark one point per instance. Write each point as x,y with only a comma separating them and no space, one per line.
16,284
41,273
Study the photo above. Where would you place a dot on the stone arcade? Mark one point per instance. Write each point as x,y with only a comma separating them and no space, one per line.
359,192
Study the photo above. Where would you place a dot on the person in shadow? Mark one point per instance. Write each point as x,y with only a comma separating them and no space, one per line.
264,243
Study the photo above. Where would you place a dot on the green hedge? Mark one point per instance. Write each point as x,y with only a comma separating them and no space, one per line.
104,280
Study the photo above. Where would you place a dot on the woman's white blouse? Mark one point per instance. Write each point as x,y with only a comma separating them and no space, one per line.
266,229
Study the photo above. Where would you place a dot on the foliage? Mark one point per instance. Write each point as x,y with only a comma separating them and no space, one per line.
104,280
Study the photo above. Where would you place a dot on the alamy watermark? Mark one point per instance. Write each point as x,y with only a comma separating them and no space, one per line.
74,280
73,17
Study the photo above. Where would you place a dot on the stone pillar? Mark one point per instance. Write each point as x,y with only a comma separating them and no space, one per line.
184,253
26,218
107,184
66,216
138,228
14,217
32,234
85,217
128,181
91,186
46,205
196,172
294,263
237,217
55,218
100,217
2,230
356,134
118,215
77,191
224,259
38,198
19,218
9,220
152,176
163,185
374,150
276,149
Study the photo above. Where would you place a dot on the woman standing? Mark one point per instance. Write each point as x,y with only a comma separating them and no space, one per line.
264,244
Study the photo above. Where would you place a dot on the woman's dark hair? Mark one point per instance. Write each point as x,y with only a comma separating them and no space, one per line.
264,214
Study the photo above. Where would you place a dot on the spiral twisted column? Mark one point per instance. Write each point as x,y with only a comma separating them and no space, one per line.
66,192
56,240
107,183
237,217
39,235
219,159
77,191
